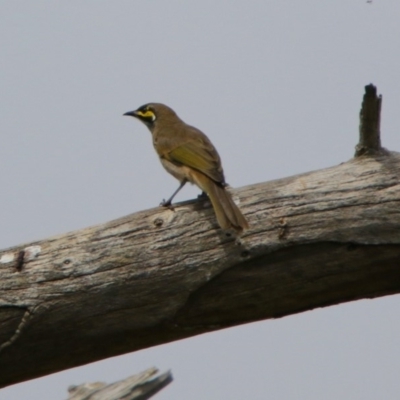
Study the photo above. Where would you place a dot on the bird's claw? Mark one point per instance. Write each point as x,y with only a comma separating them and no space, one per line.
166,204
202,195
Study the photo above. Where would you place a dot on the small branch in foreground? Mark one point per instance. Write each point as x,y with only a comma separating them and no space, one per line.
141,386
370,117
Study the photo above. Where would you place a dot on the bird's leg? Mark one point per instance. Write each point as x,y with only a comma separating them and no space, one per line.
169,201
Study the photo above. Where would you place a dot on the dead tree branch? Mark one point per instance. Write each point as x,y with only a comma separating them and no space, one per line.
370,121
159,275
141,386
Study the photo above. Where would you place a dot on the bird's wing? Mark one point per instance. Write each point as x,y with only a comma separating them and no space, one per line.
201,156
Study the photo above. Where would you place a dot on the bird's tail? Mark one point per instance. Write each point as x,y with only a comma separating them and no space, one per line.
227,212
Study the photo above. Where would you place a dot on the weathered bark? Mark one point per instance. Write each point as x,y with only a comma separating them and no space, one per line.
370,121
141,386
316,239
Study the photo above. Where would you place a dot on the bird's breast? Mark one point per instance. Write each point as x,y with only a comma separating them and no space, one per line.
178,171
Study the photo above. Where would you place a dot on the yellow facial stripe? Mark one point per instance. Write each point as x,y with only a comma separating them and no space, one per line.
147,114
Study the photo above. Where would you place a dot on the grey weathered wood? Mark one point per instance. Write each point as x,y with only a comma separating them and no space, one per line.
140,386
316,239
370,121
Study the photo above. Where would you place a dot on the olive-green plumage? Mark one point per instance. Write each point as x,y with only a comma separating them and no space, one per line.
188,154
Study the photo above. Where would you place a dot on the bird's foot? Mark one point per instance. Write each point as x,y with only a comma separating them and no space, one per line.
166,204
202,196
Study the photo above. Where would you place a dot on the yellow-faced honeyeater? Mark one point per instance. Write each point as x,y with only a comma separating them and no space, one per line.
188,155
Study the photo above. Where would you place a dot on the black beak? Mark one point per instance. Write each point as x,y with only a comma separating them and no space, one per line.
131,113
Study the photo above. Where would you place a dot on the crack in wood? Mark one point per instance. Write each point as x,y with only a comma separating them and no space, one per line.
21,326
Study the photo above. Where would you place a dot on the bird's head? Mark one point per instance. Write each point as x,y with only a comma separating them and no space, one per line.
150,113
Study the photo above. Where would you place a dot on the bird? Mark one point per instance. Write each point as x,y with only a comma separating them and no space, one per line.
188,155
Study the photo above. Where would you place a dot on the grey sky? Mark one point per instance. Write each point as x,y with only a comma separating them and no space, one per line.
276,85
